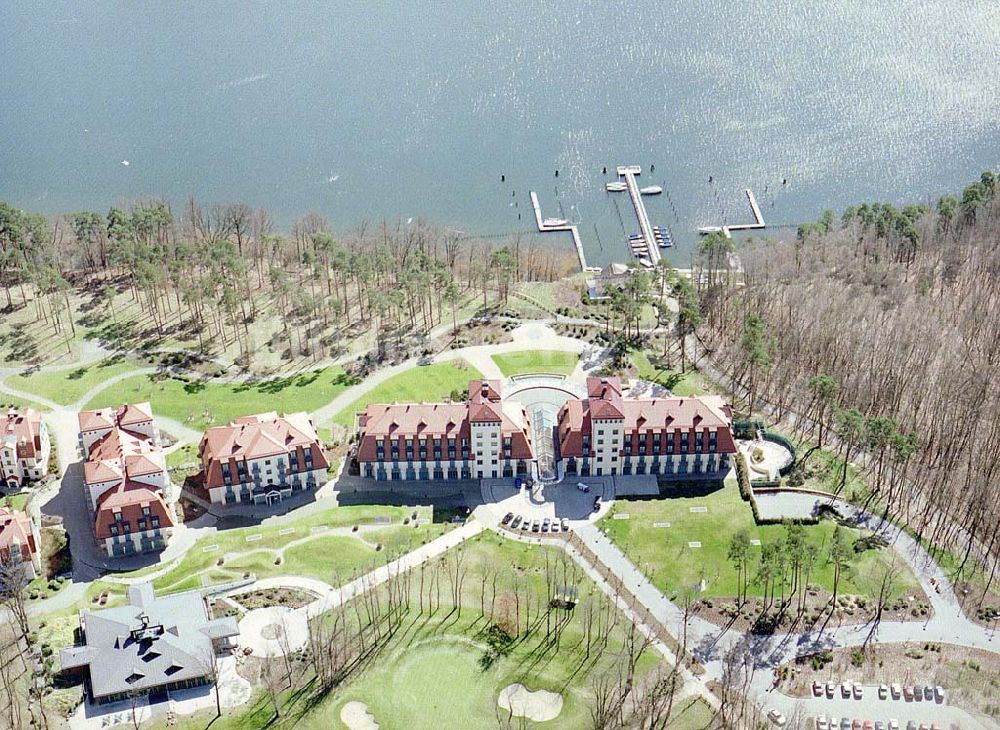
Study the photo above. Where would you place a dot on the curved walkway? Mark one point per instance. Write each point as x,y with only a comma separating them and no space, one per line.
709,643
529,336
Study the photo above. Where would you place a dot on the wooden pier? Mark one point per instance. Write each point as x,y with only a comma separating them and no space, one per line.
546,228
726,230
645,228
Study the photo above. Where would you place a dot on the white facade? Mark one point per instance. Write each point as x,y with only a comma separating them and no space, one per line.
485,448
141,428
271,471
141,542
21,471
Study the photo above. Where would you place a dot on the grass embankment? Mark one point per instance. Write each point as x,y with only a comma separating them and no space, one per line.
325,557
664,555
433,672
429,383
691,382
68,385
536,361
204,403
15,501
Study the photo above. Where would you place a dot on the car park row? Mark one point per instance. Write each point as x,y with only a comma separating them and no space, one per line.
525,524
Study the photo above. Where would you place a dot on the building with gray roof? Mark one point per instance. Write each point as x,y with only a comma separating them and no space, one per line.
150,645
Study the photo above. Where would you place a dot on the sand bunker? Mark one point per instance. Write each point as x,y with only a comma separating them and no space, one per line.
537,706
356,716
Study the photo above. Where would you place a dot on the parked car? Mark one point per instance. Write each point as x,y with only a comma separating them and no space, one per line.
515,522
911,725
928,692
546,523
845,723
845,690
565,524
555,525
908,692
597,503
534,526
856,724
583,487
776,717
507,518
893,724
859,691
879,725
425,360
868,725
883,692
831,688
821,723
896,690
817,688
939,693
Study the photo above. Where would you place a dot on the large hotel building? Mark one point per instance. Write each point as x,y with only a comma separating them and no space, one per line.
607,434
484,437
604,434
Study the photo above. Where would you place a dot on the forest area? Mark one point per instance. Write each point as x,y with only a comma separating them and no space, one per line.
877,336
206,275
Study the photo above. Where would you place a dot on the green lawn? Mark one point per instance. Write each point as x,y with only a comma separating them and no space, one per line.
322,557
201,404
430,674
663,553
429,383
68,386
14,501
688,383
536,361
186,454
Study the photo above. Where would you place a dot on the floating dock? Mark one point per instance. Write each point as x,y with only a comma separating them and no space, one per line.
726,230
546,228
645,227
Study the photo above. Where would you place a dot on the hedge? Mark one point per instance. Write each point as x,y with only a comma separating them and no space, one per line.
746,492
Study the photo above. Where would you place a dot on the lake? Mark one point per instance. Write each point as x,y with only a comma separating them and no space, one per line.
361,110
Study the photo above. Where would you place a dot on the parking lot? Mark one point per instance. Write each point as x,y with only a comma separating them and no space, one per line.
846,706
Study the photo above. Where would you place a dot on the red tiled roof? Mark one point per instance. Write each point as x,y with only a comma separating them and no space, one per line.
605,395
15,526
95,472
256,437
129,498
446,421
120,453
132,413
640,416
25,428
95,420
127,414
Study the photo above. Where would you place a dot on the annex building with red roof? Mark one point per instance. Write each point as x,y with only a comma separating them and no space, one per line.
24,447
19,542
608,434
125,476
485,436
262,459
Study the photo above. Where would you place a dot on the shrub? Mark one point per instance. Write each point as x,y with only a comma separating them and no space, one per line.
858,657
